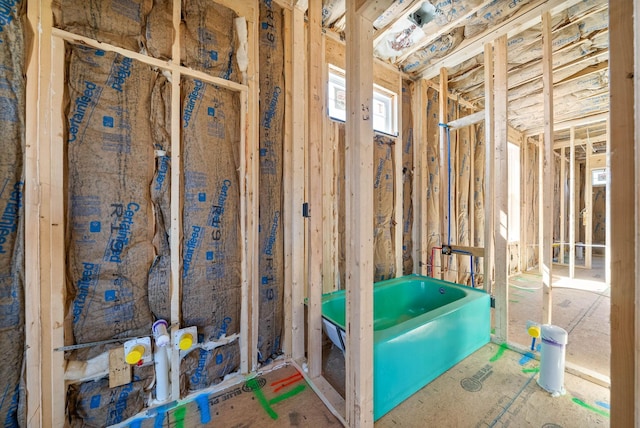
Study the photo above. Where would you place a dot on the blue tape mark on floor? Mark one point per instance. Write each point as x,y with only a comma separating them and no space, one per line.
603,404
526,358
538,347
157,423
136,423
203,406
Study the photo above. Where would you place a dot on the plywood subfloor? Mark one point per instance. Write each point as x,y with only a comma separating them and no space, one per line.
280,398
580,305
494,387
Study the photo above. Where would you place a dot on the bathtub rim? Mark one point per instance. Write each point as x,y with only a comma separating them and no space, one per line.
411,324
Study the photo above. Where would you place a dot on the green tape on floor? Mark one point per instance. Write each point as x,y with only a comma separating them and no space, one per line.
579,402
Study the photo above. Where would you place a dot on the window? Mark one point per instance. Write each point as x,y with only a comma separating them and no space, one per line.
599,177
513,176
384,103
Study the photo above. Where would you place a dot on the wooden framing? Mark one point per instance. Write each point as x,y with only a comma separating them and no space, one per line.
176,202
489,172
501,207
563,205
295,70
624,179
636,392
546,219
524,207
588,202
398,190
36,364
445,180
359,230
420,248
316,224
45,201
572,205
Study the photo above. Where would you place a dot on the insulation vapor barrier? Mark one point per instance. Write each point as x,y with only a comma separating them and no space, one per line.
407,180
212,251
383,231
271,239
118,174
12,133
111,167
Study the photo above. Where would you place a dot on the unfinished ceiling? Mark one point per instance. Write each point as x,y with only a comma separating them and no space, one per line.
420,37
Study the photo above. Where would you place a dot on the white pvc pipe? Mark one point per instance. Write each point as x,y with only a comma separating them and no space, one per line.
161,361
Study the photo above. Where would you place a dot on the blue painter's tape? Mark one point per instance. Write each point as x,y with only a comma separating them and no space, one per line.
203,406
159,420
603,404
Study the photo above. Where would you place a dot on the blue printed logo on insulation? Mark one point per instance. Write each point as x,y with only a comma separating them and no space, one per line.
116,413
107,121
272,234
213,55
83,106
10,215
120,231
120,71
88,280
95,402
163,168
190,104
192,244
271,111
198,375
7,11
215,217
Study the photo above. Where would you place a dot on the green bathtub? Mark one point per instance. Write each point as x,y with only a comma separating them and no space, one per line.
422,327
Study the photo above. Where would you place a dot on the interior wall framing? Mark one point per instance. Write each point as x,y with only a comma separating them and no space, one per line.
46,196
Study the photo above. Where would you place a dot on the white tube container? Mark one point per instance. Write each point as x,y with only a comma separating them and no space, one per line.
552,357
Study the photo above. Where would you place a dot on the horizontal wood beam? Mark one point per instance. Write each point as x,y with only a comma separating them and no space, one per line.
527,18
372,9
558,126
